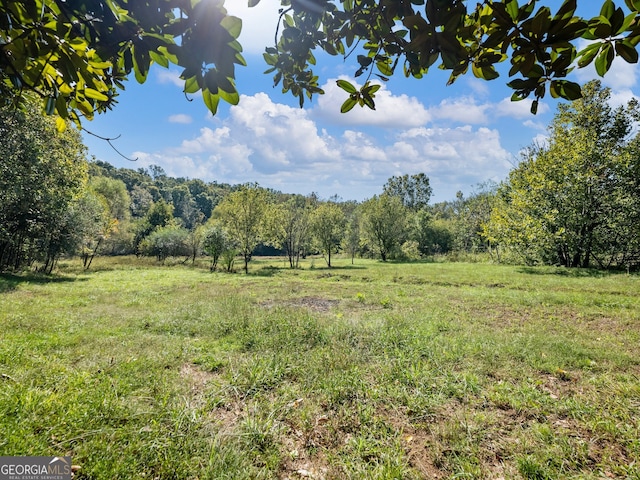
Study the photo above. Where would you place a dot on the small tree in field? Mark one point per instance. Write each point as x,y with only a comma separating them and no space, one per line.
351,239
169,241
288,227
327,224
384,224
214,243
243,214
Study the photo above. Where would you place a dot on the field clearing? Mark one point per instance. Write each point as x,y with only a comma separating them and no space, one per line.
371,370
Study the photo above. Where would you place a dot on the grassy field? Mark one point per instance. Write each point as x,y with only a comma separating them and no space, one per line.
370,371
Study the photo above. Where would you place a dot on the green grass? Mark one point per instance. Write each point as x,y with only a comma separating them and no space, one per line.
372,370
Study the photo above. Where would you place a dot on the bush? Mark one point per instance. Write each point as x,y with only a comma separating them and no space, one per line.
170,241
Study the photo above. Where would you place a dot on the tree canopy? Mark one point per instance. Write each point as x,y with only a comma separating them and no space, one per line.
42,174
77,54
576,200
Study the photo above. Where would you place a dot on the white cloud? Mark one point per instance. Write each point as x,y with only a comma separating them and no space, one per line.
180,118
479,87
259,23
394,111
165,76
622,97
535,125
462,109
282,147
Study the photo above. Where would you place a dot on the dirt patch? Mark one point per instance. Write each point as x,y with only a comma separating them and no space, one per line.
316,304
197,380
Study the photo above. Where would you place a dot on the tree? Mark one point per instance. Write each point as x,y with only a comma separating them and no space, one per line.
432,234
141,201
91,220
115,194
472,213
243,214
168,241
327,225
576,200
42,172
414,191
351,239
185,207
159,215
214,243
288,226
384,224
77,55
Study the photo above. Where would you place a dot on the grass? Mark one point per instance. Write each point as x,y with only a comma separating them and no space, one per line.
372,370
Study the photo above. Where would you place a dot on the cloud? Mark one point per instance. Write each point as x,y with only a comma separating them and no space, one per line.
259,23
165,76
462,109
180,118
393,111
281,147
535,125
622,97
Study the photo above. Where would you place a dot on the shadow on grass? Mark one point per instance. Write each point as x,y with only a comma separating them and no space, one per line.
569,272
340,267
272,270
10,281
266,271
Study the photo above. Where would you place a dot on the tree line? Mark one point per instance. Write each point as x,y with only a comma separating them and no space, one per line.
574,201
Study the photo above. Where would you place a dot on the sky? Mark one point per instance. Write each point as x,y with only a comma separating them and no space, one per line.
459,136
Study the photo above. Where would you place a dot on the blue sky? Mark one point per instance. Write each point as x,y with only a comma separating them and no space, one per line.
459,135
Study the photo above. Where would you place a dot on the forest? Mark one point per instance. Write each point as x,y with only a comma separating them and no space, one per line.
573,202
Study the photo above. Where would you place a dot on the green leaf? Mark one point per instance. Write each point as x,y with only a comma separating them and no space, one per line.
512,9
233,25
191,85
634,5
211,101
346,86
96,95
371,88
567,10
608,7
232,98
534,107
600,27
349,103
571,90
368,101
587,55
61,125
50,105
159,59
364,61
384,68
626,51
604,59
628,21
